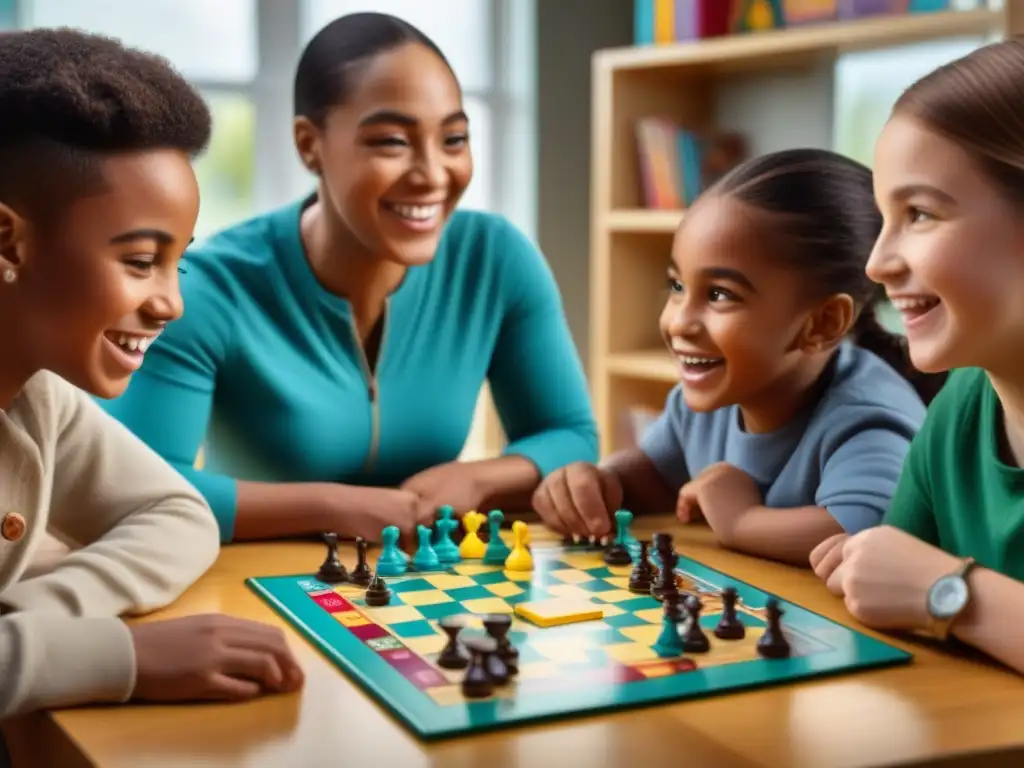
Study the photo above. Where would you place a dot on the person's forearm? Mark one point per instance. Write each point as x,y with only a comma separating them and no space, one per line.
787,535
644,490
280,510
994,617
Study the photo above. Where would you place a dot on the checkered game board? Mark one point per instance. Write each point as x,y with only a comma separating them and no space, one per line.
566,670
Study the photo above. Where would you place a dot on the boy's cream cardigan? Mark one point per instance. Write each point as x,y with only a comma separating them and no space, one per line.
141,534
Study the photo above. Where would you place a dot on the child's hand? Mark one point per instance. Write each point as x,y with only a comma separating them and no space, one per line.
211,658
722,493
579,499
885,575
687,508
828,556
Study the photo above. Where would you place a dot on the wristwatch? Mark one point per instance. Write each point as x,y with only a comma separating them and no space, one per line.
947,599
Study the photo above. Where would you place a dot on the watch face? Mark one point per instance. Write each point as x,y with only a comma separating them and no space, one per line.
947,597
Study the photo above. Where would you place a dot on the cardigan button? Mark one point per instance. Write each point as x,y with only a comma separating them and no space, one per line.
12,527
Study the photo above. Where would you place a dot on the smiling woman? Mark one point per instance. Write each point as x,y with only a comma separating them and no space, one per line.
332,351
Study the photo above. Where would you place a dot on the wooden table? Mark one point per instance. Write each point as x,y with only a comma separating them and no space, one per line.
939,706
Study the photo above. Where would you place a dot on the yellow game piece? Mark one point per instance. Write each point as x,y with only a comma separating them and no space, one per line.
519,559
555,611
472,546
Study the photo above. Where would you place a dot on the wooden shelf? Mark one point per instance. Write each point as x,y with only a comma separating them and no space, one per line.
786,77
752,52
642,220
648,365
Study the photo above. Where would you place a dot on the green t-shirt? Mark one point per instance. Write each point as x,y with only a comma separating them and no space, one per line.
955,492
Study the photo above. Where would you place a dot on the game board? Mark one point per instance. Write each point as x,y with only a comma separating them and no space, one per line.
567,670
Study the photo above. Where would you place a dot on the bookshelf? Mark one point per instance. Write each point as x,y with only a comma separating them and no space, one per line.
737,83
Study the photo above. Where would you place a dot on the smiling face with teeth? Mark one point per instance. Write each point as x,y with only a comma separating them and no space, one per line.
951,253
394,158
99,279
738,322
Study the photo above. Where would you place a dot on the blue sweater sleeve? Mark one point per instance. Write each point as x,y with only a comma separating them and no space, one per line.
169,401
536,376
862,468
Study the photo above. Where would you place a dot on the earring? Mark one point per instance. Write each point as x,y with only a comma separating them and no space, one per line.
10,275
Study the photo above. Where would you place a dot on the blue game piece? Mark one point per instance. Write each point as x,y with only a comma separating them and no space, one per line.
447,512
623,535
447,550
392,560
669,643
425,558
497,551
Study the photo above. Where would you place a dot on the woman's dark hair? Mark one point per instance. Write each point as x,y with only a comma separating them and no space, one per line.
324,77
825,208
976,101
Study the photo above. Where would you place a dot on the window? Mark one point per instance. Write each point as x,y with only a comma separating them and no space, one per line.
216,50
869,83
203,43
461,30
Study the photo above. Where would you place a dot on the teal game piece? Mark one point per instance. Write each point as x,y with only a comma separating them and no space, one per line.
497,551
624,535
392,651
668,644
446,549
447,512
392,560
425,558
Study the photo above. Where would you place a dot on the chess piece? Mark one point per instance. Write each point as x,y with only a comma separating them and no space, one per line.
445,548
361,574
624,526
425,558
332,571
642,577
729,625
694,639
519,559
452,656
392,561
497,550
669,644
497,626
773,643
477,684
378,593
472,546
617,554
666,583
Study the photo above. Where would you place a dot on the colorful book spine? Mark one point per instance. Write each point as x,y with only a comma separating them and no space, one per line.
643,22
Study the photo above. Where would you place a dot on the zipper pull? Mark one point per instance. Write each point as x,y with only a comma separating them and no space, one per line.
371,390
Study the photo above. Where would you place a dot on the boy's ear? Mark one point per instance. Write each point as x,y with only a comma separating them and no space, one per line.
12,238
828,324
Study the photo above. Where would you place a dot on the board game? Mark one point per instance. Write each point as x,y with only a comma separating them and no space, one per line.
571,669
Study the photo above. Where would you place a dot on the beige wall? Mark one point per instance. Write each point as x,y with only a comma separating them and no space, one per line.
568,31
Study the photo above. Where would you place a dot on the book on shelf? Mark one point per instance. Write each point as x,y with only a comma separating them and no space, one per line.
677,164
658,22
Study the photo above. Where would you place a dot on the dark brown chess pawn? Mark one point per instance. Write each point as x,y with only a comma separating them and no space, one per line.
361,574
729,625
452,656
773,643
694,639
378,593
642,577
497,625
666,583
477,683
332,571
